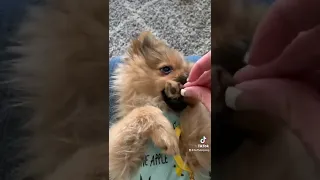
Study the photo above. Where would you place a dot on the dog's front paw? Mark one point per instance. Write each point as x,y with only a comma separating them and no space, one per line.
172,89
164,137
166,141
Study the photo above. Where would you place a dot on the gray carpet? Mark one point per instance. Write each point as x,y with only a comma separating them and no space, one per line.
183,24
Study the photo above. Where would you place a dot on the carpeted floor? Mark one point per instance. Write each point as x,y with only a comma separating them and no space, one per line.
184,24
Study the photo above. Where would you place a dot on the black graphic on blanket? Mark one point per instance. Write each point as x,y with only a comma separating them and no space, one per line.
154,160
142,179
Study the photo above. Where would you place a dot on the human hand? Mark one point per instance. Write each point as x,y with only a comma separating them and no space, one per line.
282,77
199,81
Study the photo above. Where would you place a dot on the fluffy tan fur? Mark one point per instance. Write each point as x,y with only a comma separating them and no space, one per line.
138,83
63,70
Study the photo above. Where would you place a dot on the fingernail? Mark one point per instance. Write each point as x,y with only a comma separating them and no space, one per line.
182,92
187,79
231,96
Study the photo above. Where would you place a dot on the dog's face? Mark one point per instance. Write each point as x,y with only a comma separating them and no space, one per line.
151,64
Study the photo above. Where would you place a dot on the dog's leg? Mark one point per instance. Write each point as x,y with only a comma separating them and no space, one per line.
128,139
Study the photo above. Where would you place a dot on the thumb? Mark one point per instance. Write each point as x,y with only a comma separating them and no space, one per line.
201,93
269,95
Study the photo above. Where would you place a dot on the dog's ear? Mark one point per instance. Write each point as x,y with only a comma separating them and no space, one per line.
147,39
148,47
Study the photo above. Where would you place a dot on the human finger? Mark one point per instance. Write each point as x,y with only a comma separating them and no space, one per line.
284,21
204,64
294,102
201,93
301,56
204,80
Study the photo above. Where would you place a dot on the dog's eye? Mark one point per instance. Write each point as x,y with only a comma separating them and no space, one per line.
166,69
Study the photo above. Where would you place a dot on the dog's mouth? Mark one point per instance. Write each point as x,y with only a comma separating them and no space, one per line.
176,104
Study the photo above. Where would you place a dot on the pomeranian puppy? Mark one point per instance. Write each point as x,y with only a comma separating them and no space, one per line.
147,83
